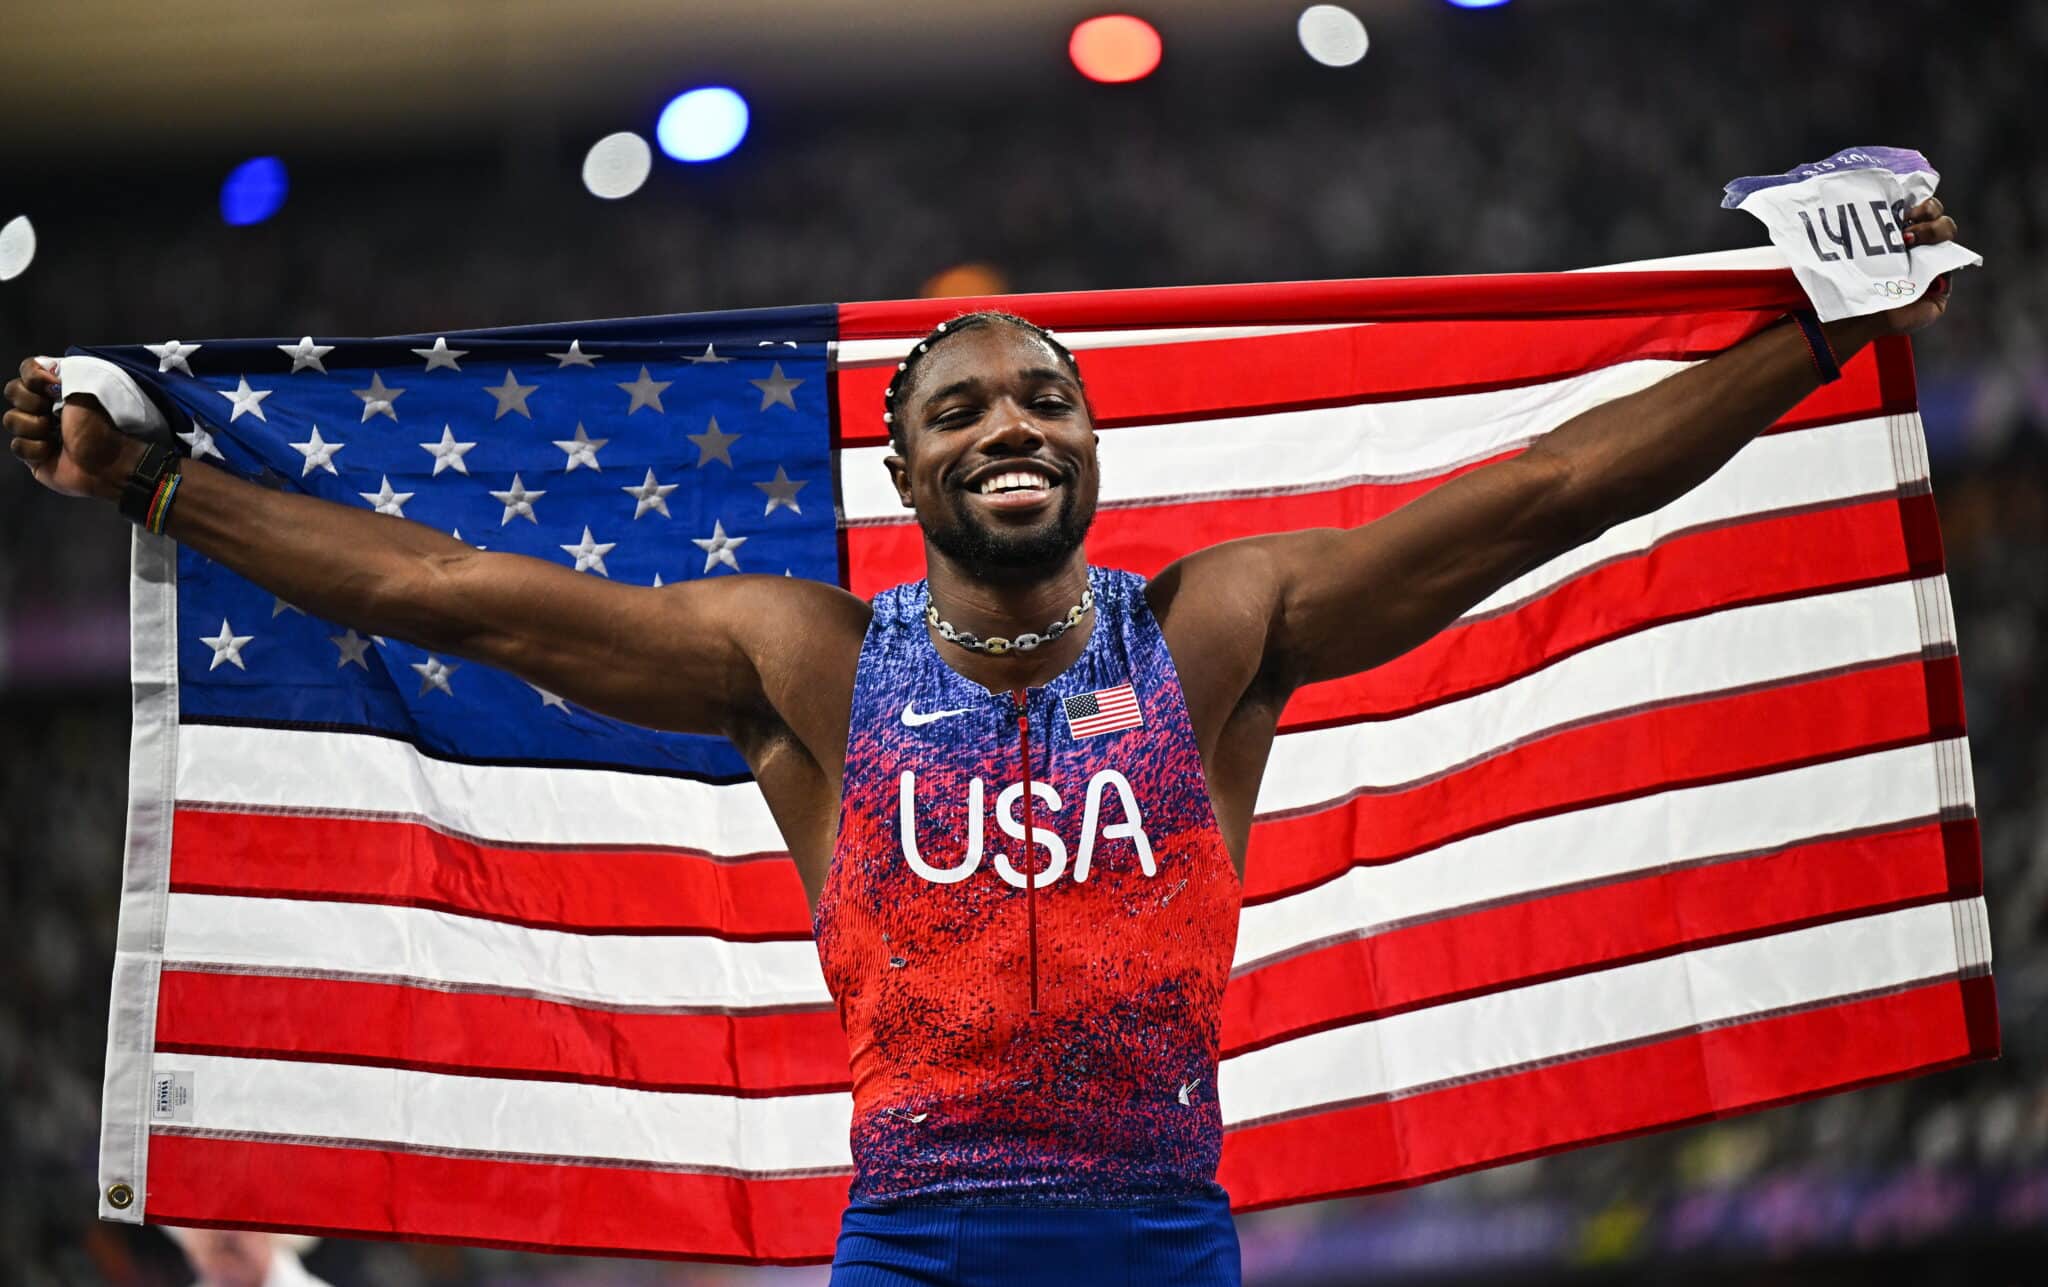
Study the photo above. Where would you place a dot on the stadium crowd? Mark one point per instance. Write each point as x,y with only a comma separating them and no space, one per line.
1560,138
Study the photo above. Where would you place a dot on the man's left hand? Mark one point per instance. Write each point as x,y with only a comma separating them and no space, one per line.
1926,224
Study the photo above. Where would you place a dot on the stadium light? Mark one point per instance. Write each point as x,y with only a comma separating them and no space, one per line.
253,191
703,124
617,165
1332,35
17,247
1115,48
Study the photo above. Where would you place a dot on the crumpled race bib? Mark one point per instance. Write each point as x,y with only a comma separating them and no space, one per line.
1840,223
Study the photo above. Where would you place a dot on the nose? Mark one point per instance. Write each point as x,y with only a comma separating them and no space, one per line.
1011,428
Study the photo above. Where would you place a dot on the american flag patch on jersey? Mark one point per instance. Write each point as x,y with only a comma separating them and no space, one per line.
1103,711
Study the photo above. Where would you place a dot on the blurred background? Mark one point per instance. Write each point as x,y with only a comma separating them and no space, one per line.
217,168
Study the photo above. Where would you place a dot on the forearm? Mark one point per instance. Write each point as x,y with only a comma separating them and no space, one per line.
352,566
1635,454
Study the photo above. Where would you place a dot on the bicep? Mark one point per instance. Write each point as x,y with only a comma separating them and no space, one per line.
1350,599
686,657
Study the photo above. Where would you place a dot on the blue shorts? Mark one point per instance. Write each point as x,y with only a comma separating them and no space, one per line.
1191,1241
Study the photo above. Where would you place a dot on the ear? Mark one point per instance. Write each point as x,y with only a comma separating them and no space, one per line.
899,475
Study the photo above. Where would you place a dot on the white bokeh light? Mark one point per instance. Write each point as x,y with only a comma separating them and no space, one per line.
617,165
17,247
1332,34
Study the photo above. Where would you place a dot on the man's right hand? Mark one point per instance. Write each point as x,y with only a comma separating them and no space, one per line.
78,458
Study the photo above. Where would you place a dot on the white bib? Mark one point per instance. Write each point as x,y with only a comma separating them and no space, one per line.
1841,223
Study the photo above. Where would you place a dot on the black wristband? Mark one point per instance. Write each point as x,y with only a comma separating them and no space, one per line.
1817,345
156,463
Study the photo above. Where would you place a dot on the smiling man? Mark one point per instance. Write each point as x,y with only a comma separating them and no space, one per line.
1018,791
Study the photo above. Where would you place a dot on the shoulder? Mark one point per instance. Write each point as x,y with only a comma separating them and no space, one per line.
1231,587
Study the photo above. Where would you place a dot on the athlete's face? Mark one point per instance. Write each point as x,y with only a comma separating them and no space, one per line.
988,405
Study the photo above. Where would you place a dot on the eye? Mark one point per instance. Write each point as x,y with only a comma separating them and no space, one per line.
1053,402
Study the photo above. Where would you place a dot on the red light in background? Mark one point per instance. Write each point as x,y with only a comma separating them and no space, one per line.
1115,48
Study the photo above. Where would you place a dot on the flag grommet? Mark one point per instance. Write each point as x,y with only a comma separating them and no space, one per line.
120,1196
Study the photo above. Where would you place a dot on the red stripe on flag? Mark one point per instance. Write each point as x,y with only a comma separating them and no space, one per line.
1762,560
490,1202
752,1054
408,864
1686,1079
1707,740
1470,952
1382,299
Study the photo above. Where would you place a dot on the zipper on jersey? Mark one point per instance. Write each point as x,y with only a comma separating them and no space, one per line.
1021,709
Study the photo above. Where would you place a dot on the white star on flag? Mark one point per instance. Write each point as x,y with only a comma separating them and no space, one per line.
319,454
582,450
710,354
447,452
377,399
712,444
227,646
353,649
575,356
171,354
386,500
511,396
201,443
549,699
646,392
278,607
517,501
776,389
434,674
306,354
650,495
441,355
782,491
590,554
718,547
245,399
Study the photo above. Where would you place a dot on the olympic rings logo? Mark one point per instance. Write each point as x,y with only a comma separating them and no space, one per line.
1897,288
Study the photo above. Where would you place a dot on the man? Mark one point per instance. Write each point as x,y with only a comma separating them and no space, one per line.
1033,1026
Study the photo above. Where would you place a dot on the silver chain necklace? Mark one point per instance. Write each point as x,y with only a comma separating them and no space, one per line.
996,646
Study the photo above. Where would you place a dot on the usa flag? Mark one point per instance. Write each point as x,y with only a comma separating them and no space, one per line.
1105,710
1677,825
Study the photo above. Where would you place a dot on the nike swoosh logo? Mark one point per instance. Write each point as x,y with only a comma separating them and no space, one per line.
912,719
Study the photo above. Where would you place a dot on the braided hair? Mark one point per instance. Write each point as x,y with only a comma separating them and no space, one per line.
906,370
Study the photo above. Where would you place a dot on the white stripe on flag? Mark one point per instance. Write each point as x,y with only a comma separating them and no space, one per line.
346,773
1501,1031
1606,842
1734,648
556,1121
355,940
852,353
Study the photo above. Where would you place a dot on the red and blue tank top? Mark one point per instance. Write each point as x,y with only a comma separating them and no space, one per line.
933,942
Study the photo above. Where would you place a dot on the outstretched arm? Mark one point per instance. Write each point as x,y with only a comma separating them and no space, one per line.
698,657
1344,601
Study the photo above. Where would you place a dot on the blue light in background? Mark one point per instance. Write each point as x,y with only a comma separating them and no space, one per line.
703,124
1477,4
254,191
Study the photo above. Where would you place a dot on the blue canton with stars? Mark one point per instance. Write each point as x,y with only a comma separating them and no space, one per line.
649,451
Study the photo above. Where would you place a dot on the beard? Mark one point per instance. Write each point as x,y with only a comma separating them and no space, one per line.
983,549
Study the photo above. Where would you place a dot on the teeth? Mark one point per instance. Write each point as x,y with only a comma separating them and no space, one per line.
1015,478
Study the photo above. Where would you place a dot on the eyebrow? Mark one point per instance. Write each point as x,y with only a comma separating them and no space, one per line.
972,382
